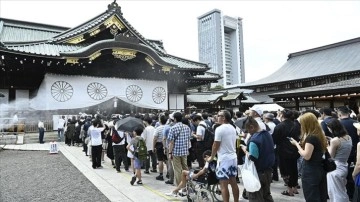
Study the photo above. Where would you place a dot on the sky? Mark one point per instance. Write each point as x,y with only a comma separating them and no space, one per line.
272,29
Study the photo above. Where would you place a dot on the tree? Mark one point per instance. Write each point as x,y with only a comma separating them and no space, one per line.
217,87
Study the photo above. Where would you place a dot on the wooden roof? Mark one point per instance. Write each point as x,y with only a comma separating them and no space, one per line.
41,40
327,60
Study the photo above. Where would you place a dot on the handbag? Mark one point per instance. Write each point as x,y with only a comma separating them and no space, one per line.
87,140
250,177
328,163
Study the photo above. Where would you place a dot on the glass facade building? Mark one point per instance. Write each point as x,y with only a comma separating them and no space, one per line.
221,46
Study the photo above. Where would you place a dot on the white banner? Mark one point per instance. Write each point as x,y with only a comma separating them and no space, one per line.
71,92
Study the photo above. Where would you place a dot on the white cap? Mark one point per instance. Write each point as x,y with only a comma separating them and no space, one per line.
258,110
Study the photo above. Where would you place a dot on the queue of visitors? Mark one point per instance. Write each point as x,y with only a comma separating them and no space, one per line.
289,141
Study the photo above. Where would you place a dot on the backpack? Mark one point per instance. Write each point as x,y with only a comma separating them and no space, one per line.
141,150
116,137
209,137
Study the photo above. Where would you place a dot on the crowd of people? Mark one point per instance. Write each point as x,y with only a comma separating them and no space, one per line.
288,141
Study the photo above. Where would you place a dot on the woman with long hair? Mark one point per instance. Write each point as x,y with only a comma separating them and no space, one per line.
339,149
312,147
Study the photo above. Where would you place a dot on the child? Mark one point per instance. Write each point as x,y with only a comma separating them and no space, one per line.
208,168
137,163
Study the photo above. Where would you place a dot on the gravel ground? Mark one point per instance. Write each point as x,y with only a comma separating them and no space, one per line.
39,176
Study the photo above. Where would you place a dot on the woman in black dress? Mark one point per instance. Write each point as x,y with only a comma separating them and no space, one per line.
108,139
312,147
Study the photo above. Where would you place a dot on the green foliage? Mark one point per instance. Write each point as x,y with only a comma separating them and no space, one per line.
218,87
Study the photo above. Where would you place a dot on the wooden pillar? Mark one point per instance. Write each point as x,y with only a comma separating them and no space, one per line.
297,105
332,103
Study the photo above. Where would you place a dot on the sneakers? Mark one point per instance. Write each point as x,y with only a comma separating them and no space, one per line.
160,177
133,179
245,195
153,171
173,194
118,171
146,172
182,192
168,182
139,182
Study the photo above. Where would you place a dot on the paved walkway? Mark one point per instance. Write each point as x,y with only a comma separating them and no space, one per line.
116,186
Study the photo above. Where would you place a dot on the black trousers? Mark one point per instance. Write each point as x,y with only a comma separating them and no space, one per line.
120,155
292,171
200,148
85,147
314,183
41,135
96,156
151,155
275,174
264,194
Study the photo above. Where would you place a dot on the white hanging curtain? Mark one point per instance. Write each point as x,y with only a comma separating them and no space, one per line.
71,92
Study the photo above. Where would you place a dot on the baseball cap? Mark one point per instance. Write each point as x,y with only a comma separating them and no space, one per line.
269,116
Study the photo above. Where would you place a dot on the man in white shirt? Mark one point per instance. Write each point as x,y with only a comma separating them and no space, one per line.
199,135
224,147
61,125
15,122
41,132
148,136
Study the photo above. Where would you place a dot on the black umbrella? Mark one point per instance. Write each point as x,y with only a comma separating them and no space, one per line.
129,124
240,123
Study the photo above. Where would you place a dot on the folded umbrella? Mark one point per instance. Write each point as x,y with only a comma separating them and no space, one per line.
129,124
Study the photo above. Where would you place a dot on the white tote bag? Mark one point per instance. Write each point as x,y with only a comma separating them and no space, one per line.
250,177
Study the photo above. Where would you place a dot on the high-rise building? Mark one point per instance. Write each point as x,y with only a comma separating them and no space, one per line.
221,46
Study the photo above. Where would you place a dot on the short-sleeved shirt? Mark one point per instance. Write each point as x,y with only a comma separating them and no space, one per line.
166,131
316,156
200,130
95,136
226,135
61,123
159,133
180,134
134,141
148,136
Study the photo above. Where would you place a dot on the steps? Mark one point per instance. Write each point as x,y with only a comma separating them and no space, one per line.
7,139
34,137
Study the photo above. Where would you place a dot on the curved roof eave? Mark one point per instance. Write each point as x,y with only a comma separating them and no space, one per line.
110,44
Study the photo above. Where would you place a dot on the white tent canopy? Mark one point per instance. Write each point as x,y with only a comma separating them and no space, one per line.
269,107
